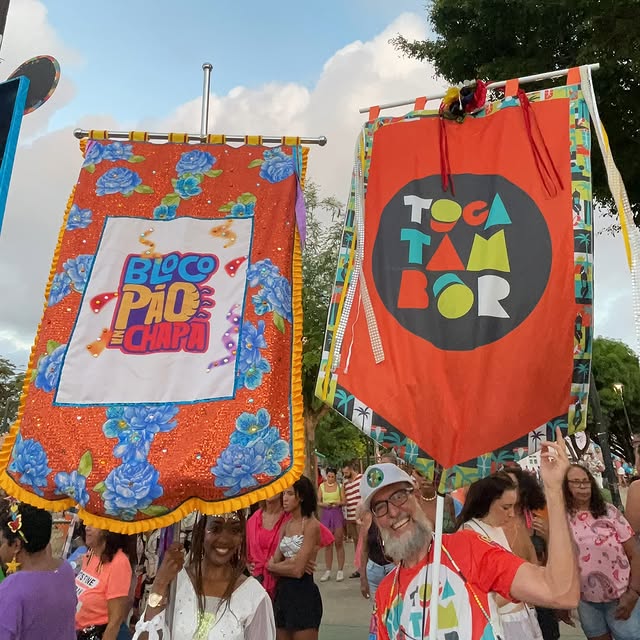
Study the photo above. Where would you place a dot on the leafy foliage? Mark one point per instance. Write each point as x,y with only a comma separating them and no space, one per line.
319,258
339,441
10,388
335,437
499,39
614,362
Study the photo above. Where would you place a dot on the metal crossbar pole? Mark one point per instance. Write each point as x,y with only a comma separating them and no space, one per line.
493,85
196,137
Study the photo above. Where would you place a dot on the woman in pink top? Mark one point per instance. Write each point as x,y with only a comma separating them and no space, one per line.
609,561
263,536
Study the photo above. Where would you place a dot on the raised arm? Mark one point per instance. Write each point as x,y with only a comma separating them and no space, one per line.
557,584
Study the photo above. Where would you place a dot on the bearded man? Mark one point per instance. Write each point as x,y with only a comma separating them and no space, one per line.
472,566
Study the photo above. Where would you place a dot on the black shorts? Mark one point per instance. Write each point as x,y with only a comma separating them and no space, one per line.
298,604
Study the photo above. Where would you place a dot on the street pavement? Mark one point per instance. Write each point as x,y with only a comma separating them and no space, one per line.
347,614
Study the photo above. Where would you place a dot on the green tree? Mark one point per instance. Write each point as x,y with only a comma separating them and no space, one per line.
319,258
501,39
339,441
10,388
613,362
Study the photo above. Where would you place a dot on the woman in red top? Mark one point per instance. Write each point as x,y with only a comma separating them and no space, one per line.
103,585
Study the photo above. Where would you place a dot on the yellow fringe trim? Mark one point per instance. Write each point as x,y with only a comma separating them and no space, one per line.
209,508
305,163
6,481
620,208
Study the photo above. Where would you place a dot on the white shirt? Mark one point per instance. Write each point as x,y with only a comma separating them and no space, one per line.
248,616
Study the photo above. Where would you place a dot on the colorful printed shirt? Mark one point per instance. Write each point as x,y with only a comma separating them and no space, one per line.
402,599
604,566
352,496
96,584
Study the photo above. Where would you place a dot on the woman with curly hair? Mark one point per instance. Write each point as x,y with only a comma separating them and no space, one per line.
608,559
214,599
38,597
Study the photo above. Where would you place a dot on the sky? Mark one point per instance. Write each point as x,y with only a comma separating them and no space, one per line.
285,67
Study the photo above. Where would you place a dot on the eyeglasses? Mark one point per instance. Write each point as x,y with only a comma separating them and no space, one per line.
397,499
579,483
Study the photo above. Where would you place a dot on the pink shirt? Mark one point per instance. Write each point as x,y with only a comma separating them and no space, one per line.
604,566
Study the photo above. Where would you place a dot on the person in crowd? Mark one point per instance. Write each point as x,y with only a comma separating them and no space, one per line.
351,488
427,495
263,536
374,562
471,566
264,529
609,560
527,534
38,597
214,599
331,500
298,605
488,510
78,547
104,586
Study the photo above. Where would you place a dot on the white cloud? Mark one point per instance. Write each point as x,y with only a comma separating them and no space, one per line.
28,34
360,74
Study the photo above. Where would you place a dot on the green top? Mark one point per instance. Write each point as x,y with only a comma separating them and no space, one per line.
1,575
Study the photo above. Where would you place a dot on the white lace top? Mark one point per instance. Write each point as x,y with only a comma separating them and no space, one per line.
248,616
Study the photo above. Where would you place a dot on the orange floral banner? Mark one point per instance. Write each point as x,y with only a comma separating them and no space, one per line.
165,373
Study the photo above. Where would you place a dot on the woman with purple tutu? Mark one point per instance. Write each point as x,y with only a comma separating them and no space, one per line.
331,499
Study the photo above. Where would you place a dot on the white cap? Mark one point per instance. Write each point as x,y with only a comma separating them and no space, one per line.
378,476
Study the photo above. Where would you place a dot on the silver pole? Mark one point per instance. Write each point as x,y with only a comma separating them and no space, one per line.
493,85
206,89
196,137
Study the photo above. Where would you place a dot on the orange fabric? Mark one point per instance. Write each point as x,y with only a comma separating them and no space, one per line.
511,88
479,389
573,77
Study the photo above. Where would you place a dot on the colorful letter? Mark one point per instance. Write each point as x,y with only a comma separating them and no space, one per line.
134,296
417,204
416,240
475,213
492,289
489,254
413,290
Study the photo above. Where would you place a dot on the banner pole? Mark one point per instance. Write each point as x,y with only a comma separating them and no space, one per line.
435,566
493,85
206,90
204,130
